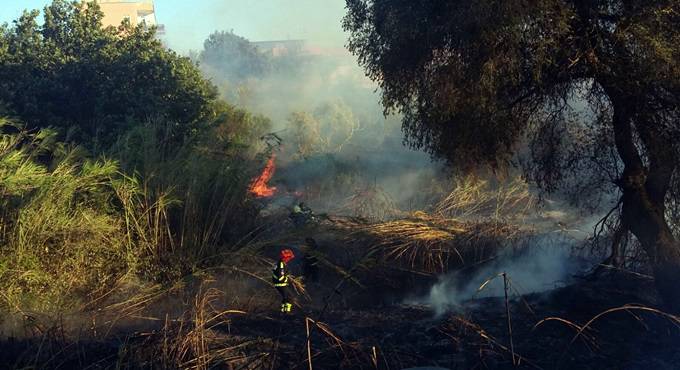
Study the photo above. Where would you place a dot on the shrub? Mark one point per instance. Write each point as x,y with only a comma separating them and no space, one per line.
61,232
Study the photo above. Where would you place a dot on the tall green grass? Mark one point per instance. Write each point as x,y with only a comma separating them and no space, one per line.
71,227
190,202
61,233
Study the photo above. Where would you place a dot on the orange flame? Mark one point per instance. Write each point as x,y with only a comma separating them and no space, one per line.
259,186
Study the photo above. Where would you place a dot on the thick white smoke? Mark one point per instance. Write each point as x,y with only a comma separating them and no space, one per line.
542,263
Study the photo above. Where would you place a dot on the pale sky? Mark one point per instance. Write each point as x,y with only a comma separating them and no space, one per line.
189,22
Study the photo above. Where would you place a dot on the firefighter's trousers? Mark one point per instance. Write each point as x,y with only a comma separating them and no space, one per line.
286,298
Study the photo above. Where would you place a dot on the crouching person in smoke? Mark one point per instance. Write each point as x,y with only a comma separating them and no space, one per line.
280,279
301,214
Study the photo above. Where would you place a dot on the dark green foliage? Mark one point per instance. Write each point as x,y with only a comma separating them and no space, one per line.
71,73
471,77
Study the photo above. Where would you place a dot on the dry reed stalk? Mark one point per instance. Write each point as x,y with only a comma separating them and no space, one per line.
190,342
473,198
299,286
581,330
490,339
589,339
309,343
334,340
423,240
507,314
374,357
295,282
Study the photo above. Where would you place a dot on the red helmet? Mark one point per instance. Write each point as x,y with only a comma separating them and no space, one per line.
286,255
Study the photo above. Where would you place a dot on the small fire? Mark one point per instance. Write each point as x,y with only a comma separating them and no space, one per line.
259,186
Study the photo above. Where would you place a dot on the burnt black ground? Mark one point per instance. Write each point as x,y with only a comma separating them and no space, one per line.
365,326
399,336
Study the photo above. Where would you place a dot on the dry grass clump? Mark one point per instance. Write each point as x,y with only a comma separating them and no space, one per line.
435,244
196,340
466,227
474,198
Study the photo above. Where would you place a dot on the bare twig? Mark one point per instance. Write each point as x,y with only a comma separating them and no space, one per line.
507,314
309,344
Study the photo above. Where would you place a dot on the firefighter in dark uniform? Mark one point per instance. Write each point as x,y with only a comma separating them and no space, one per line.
310,262
280,279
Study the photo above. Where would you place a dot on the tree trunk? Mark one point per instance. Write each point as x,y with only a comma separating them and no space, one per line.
656,238
618,256
644,191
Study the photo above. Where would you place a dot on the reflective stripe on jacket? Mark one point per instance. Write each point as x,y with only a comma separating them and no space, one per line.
279,275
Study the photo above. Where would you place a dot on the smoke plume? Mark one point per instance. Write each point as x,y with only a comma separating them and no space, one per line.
335,140
541,263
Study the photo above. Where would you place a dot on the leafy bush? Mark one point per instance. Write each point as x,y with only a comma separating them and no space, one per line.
73,74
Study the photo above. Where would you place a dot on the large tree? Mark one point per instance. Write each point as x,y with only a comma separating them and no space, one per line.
590,89
70,72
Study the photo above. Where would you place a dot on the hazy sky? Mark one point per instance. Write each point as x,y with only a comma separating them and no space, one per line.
189,22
